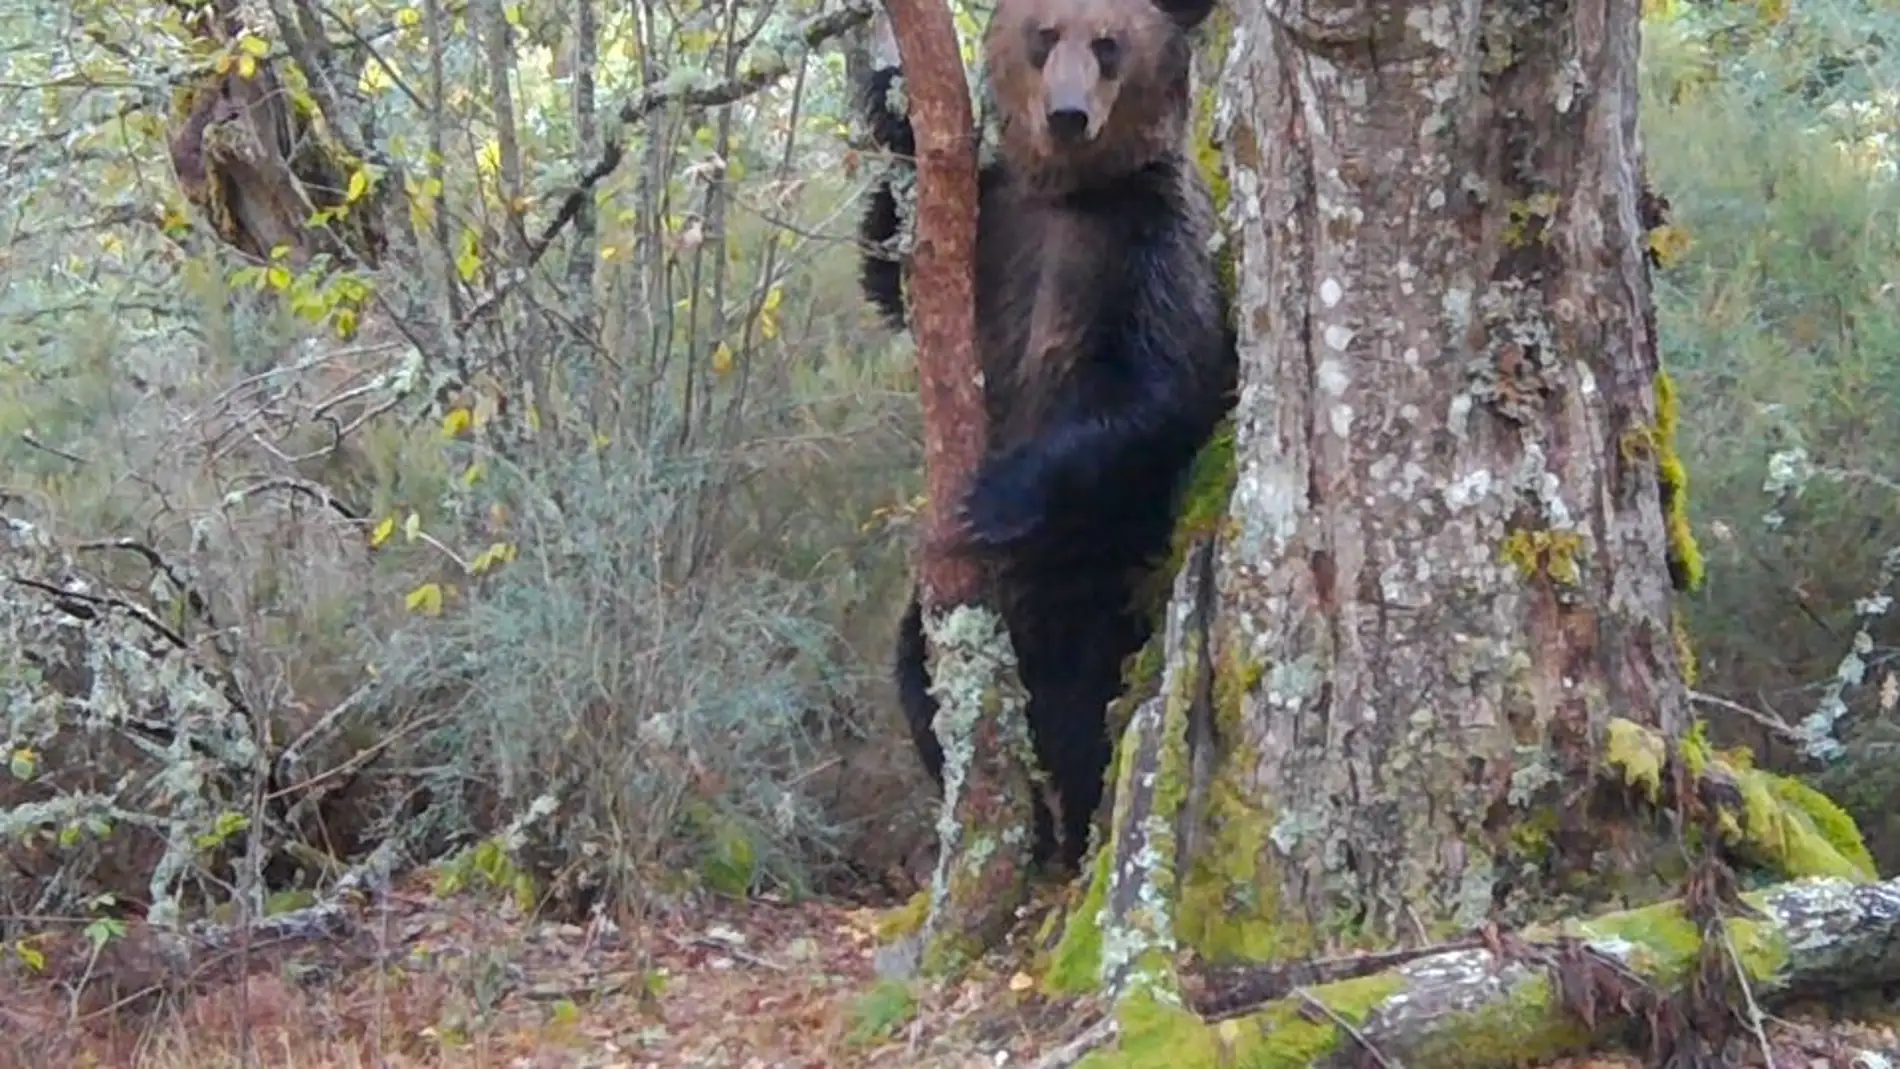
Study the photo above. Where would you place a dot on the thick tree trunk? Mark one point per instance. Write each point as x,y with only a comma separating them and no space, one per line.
1407,687
1447,565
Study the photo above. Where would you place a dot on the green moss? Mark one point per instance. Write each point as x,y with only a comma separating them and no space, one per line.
1638,753
1685,556
1667,945
1075,966
1229,906
906,919
1207,154
1685,649
1783,824
1283,1035
1830,821
880,1011
1554,553
1529,220
1798,831
1529,1022
1531,836
1209,486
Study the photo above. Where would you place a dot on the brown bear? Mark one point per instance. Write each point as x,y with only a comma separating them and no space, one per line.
1106,351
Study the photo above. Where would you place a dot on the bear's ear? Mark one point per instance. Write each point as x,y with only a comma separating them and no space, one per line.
1186,14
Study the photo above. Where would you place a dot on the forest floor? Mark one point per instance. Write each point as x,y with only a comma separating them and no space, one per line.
462,982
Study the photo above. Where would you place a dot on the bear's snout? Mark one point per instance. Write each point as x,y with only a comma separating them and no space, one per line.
1068,125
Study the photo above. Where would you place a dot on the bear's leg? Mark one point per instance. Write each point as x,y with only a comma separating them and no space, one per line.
920,709
1070,717
913,690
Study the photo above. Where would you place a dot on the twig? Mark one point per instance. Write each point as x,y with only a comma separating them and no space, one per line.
1755,1016
138,612
1315,1005
1766,720
1094,1036
314,491
33,440
759,72
193,600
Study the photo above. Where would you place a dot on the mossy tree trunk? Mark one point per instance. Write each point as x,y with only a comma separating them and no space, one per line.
1390,676
1447,563
983,828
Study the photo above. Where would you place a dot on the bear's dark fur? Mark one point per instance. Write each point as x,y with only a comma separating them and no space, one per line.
1106,352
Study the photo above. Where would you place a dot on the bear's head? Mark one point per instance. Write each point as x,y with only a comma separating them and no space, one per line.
1090,89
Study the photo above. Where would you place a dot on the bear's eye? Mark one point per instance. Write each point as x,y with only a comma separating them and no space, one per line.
1042,42
1108,55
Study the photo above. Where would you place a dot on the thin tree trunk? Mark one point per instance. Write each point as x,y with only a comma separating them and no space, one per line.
984,829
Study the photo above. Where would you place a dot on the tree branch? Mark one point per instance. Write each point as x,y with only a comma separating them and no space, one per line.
756,72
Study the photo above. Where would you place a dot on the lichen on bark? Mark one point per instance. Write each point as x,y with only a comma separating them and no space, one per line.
983,833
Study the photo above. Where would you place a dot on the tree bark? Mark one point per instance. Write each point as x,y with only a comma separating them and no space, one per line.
1446,567
1425,676
257,168
983,830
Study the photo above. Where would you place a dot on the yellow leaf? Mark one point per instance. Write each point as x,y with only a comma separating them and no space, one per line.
346,323
496,553
455,421
277,277
255,46
223,65
601,441
473,475
30,957
412,527
722,359
425,599
359,185
513,14
408,17
382,532
247,66
1022,981
280,251
772,297
768,325
608,252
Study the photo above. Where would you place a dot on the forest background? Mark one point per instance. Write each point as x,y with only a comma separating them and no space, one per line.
561,577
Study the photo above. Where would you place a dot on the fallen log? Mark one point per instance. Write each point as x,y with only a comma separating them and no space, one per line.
1555,990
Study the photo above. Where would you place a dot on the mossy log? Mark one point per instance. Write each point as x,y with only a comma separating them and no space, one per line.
1517,1004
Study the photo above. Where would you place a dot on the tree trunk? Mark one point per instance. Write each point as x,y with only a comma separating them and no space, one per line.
983,832
257,167
1446,568
1407,687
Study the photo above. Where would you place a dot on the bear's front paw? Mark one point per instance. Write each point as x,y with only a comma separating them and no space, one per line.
1007,505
